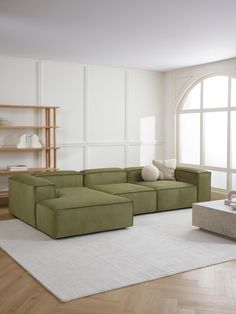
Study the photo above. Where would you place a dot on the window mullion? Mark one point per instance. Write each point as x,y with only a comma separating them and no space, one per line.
202,144
178,148
229,175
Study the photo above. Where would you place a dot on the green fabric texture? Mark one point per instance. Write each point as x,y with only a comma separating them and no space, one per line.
165,185
87,212
144,198
25,191
134,174
69,191
62,178
201,178
58,204
85,197
54,173
176,198
83,220
173,194
104,176
30,180
97,170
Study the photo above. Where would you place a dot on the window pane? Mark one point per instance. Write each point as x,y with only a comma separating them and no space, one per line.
233,139
193,99
215,129
234,181
189,128
233,92
218,180
215,92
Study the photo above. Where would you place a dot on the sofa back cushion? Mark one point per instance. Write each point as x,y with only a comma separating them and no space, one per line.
134,174
62,179
104,176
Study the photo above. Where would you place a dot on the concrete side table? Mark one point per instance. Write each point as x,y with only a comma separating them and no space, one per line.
215,216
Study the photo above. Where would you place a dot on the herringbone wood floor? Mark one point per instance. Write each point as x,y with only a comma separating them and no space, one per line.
211,290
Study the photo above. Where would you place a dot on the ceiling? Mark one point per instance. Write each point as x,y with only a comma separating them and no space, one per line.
148,34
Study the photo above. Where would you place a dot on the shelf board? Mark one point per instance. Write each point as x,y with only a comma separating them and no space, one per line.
15,149
5,172
3,194
27,127
4,106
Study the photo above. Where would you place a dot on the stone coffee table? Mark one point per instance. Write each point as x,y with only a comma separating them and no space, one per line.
215,216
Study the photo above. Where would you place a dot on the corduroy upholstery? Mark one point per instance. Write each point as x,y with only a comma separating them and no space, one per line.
144,198
191,185
83,212
68,203
114,181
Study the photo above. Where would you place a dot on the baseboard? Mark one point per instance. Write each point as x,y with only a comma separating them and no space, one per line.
218,196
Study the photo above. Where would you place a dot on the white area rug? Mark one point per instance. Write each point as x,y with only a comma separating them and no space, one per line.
158,245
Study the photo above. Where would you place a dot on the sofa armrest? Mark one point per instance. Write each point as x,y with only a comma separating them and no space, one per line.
199,177
25,191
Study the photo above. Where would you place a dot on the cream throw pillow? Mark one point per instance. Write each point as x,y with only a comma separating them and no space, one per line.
150,173
166,168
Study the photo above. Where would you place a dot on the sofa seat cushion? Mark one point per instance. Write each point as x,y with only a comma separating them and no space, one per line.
173,194
143,197
87,211
84,197
165,184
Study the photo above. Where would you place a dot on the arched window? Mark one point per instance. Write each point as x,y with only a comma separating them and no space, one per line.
206,129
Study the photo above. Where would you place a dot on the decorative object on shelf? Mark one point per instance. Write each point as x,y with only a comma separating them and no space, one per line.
29,141
17,168
230,201
35,141
3,121
22,142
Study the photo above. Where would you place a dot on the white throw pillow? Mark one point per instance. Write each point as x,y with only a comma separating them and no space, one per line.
150,173
166,168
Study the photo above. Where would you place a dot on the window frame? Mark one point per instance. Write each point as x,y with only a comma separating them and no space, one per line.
228,109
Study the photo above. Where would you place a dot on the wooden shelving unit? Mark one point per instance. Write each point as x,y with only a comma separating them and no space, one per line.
26,127
50,148
15,149
3,194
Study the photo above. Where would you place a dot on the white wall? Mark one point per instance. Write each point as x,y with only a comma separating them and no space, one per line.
107,117
176,84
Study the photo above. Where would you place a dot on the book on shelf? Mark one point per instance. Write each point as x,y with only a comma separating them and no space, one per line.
17,167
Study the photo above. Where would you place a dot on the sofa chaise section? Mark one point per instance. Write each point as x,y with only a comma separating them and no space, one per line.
58,204
83,212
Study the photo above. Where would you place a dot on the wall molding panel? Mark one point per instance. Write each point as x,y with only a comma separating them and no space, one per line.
104,111
84,144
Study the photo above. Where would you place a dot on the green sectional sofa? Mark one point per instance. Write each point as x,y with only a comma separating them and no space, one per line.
69,203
